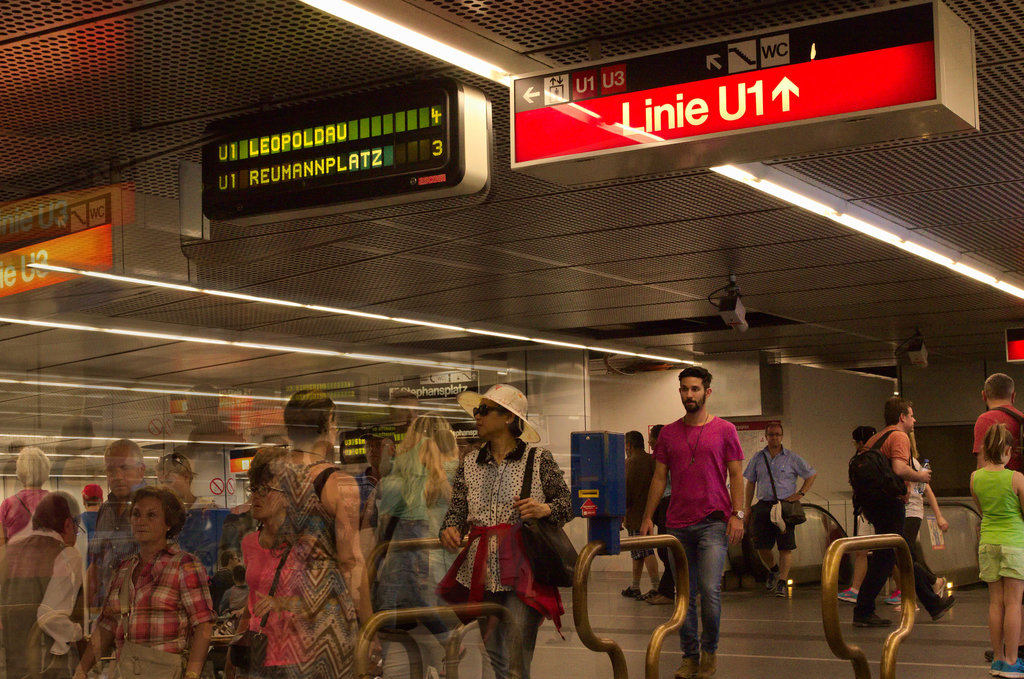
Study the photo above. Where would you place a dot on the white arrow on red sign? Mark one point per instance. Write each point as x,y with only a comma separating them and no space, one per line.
588,508
785,88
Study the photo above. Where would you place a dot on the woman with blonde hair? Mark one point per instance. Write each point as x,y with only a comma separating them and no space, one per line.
33,470
414,500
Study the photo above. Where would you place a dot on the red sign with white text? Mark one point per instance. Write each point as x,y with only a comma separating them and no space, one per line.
813,89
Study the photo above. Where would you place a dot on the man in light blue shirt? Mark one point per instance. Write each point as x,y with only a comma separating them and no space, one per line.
785,468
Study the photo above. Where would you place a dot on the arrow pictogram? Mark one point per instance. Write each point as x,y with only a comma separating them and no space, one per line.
713,60
530,94
785,88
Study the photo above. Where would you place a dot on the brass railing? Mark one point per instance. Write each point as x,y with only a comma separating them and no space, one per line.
581,613
376,621
830,601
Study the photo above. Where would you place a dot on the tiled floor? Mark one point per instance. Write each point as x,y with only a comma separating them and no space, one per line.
762,636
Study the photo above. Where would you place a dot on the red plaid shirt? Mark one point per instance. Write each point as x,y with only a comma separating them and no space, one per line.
171,598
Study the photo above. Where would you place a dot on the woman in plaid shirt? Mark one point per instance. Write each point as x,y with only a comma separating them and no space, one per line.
170,608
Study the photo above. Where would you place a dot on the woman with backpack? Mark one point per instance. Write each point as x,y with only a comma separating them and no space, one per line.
999,494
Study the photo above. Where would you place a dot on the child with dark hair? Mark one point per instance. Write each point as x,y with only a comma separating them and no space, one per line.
999,494
234,600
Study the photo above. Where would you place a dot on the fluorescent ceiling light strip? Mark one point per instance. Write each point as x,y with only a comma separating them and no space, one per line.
556,343
428,324
867,229
666,358
185,392
492,333
407,36
1010,288
177,338
346,312
288,303
864,227
924,252
971,272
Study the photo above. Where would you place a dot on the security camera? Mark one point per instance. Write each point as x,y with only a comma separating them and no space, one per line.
730,308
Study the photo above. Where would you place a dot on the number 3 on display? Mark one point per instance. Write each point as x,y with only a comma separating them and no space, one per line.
438,147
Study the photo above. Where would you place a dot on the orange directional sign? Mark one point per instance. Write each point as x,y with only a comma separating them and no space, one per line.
39,218
90,249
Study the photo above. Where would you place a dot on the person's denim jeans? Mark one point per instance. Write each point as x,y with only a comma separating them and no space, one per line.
527,622
706,546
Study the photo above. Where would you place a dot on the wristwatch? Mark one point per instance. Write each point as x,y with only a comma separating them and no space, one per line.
739,514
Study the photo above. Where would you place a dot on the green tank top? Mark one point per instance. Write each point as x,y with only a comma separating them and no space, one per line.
1001,520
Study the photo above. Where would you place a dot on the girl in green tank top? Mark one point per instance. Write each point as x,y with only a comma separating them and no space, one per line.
999,494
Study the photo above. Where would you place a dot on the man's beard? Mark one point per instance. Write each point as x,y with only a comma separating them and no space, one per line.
694,406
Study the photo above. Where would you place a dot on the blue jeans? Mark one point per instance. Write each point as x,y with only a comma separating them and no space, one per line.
706,545
526,621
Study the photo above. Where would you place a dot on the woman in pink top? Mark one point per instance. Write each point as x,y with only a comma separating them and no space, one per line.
262,552
33,470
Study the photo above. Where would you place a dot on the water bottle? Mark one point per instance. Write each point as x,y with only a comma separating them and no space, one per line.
920,486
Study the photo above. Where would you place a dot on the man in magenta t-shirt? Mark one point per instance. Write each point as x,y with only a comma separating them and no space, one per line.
998,393
700,450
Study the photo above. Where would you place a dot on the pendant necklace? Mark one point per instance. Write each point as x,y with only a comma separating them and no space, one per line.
693,448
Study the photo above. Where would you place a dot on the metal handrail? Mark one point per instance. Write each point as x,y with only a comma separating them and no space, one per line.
830,601
475,609
581,613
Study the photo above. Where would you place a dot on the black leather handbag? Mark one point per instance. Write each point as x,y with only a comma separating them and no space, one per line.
248,650
546,546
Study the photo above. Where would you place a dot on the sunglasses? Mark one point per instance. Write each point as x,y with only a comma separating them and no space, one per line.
484,409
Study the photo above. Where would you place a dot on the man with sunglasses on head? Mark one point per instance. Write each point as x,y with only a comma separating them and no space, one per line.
701,451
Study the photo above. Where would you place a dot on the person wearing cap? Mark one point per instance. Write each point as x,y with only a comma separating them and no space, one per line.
485,503
92,498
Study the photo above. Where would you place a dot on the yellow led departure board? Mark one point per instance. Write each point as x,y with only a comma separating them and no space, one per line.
403,144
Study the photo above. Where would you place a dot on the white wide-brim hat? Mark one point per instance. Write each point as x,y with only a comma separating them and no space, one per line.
509,398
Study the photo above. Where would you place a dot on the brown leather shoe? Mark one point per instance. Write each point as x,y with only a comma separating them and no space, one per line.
707,665
690,669
659,600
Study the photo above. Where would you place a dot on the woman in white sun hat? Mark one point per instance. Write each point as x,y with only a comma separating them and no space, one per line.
485,503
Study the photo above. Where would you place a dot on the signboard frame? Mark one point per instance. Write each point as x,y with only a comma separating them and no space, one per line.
328,134
953,108
1014,341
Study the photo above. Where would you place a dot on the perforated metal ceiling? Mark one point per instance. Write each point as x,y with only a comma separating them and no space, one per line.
95,91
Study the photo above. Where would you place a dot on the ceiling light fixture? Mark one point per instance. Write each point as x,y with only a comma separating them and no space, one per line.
187,392
314,307
418,41
838,210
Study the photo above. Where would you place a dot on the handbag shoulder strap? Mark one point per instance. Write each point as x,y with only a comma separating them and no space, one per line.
771,477
126,604
528,475
273,585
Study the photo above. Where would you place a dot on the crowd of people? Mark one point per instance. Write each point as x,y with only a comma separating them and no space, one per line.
286,575
163,571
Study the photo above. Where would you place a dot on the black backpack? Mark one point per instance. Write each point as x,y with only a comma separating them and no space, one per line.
872,478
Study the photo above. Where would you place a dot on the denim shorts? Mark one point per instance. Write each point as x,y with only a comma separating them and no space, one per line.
999,561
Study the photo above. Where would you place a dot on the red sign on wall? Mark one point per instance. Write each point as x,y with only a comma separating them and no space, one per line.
1015,344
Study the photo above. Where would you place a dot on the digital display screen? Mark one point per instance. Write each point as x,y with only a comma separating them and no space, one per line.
381,144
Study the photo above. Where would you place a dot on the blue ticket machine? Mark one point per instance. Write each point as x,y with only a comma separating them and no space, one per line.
599,484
